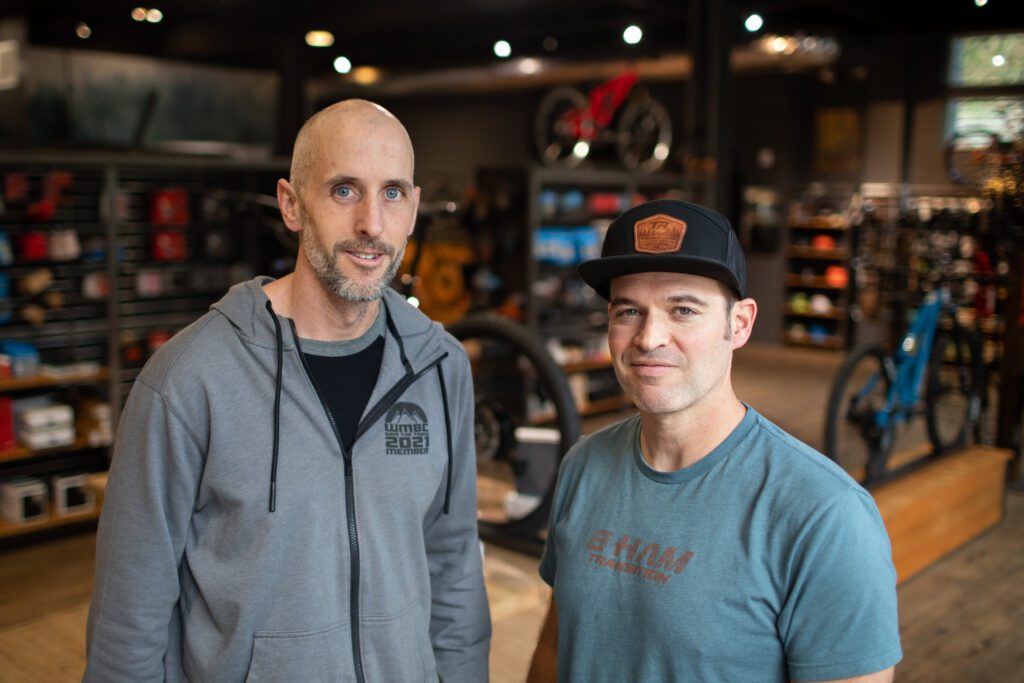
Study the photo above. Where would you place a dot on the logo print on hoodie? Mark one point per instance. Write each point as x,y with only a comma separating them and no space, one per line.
405,430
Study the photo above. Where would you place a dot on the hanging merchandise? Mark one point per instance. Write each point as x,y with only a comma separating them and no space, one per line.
823,242
34,246
820,304
6,309
41,211
169,245
95,286
63,245
169,207
15,188
35,282
836,276
6,253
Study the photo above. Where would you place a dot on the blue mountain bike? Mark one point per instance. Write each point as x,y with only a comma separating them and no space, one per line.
937,370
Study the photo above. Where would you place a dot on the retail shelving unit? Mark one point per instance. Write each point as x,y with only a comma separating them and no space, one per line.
563,214
818,279
156,240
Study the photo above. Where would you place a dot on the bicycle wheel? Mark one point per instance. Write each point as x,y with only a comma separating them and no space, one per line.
853,437
525,422
644,135
552,133
956,379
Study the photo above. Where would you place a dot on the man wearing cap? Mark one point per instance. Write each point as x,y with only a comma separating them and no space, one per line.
697,541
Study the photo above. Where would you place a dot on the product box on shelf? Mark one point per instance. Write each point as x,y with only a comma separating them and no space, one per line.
24,500
42,423
72,494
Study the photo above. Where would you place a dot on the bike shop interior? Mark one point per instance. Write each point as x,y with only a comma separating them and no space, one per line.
868,155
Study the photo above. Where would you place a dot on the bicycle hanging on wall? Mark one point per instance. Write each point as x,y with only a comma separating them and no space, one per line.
569,124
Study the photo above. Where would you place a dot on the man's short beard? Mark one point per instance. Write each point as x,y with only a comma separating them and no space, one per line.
325,266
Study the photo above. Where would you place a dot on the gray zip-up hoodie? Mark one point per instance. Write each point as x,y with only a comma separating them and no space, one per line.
239,542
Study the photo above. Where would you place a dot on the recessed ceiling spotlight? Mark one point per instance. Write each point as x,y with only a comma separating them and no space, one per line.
502,49
753,23
980,3
998,60
342,65
529,65
139,14
319,38
366,75
154,16
82,30
632,35
550,43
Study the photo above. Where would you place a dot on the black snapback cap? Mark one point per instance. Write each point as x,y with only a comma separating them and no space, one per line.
671,236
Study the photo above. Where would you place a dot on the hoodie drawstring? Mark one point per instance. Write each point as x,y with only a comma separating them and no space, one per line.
277,407
448,436
408,368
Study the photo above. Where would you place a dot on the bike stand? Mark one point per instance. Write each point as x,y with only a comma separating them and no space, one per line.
936,507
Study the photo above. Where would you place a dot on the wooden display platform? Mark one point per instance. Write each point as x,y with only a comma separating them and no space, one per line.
933,510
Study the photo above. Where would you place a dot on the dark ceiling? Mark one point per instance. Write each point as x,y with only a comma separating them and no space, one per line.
431,34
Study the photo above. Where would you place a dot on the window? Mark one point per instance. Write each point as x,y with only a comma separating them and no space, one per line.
986,76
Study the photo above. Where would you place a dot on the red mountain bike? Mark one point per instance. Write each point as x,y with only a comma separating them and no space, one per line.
569,124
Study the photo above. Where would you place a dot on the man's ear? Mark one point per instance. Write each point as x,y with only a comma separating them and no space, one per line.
415,209
288,202
742,321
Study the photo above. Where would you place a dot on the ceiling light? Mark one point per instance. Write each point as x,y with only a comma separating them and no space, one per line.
632,34
998,60
154,16
502,48
529,65
550,43
139,14
980,3
319,38
581,149
753,23
366,75
82,30
342,65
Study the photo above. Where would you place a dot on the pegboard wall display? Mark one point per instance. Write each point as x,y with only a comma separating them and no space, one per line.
102,260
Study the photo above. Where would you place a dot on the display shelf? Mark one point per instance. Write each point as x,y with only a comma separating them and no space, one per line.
829,342
8,530
159,239
812,253
587,365
22,453
812,282
837,313
563,213
818,279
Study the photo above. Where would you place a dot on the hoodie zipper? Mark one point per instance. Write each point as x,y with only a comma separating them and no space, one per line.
372,417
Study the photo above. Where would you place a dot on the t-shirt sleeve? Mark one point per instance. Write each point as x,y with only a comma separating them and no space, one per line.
549,557
839,618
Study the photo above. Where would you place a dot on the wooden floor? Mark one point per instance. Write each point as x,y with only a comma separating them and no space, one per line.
960,620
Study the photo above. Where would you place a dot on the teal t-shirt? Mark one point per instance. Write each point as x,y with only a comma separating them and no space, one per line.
763,561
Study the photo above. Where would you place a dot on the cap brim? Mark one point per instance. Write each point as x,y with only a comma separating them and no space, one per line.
598,273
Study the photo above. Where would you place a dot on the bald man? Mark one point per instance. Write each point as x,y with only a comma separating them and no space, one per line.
292,495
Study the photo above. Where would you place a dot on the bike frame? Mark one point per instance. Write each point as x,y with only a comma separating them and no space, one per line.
911,361
605,100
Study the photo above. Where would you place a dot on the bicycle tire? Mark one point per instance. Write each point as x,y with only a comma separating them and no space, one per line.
553,385
643,135
953,393
555,145
853,438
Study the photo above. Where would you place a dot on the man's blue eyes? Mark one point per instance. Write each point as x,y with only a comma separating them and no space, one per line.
391,193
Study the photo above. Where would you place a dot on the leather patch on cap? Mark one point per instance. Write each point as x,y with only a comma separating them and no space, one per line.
658,234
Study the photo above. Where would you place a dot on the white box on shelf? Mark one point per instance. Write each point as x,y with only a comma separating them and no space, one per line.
45,417
24,500
38,439
72,494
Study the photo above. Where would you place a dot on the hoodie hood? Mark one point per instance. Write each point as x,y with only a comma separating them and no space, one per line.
245,306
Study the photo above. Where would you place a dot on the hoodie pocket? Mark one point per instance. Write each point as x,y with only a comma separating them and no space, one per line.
398,648
309,656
